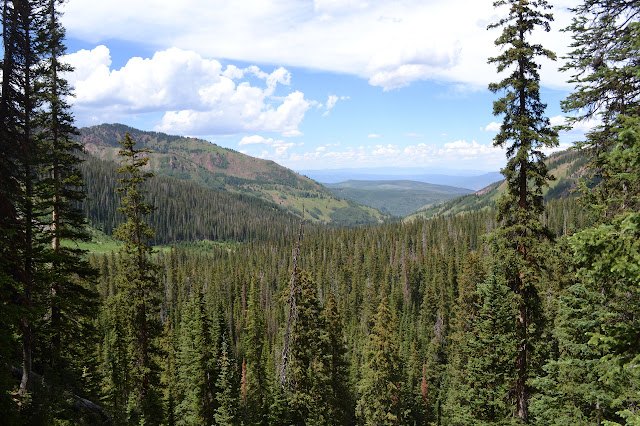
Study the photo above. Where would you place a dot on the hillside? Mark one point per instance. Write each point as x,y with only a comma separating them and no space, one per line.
185,211
398,197
565,166
214,167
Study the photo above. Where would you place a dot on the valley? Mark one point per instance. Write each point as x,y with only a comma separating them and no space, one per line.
217,168
149,278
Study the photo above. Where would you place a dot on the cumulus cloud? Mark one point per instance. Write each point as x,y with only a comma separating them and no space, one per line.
455,154
254,140
195,94
579,127
279,146
373,136
331,102
492,127
391,44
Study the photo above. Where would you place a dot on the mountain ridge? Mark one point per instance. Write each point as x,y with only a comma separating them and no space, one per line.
398,197
567,167
218,168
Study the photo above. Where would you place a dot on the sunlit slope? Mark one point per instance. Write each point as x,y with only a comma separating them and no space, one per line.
214,167
565,166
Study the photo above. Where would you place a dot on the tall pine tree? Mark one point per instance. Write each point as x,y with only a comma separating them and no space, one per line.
138,288
379,387
524,132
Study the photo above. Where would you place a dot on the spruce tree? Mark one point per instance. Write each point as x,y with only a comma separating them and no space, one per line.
603,66
138,287
457,407
72,303
524,132
254,386
227,395
339,398
593,377
379,387
309,375
21,100
196,357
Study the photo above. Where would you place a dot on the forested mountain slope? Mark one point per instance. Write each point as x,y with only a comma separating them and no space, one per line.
185,211
214,167
566,166
398,197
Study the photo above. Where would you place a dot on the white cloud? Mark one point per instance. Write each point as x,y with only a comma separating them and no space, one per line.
492,127
279,146
373,136
579,127
455,154
391,44
331,102
413,135
196,96
254,140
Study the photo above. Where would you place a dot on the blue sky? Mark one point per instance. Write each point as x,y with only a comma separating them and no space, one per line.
310,84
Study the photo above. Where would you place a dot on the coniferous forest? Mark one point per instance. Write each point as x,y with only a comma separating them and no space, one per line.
526,313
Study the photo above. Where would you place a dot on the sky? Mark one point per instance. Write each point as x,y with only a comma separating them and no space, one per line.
310,84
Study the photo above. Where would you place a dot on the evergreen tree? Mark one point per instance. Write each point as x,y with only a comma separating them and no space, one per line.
72,303
254,383
137,287
21,100
593,378
309,374
603,66
457,408
486,393
379,387
524,131
339,399
169,377
227,395
196,356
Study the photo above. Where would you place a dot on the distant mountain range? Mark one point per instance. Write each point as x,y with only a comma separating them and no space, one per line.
347,202
566,166
468,179
218,168
398,197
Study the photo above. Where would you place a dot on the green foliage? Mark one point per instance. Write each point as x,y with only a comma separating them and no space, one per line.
516,246
490,369
351,215
227,396
593,378
219,169
379,388
196,369
136,295
424,322
254,383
